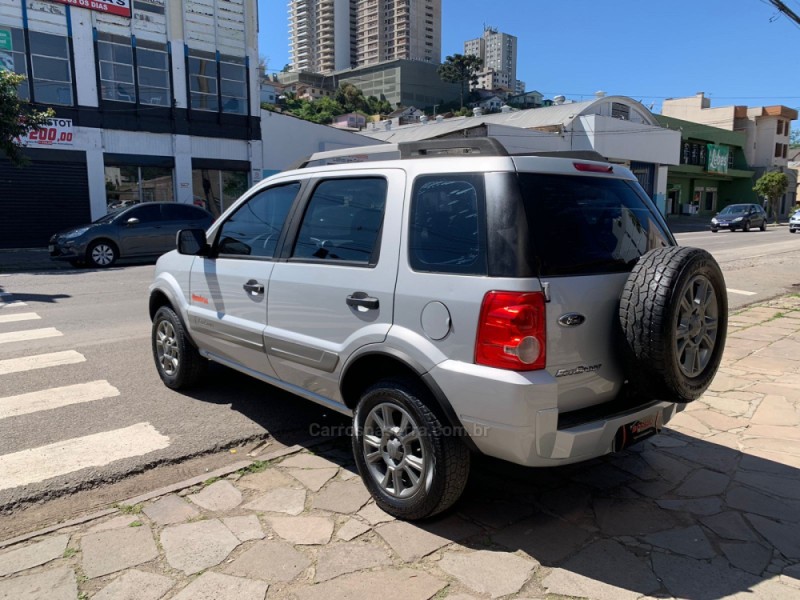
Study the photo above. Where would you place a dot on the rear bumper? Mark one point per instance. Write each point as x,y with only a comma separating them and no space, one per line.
515,416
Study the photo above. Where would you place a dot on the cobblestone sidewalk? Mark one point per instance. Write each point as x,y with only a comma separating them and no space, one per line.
710,509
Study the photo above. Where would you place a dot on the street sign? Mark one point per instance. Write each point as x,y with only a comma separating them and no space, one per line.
112,7
6,42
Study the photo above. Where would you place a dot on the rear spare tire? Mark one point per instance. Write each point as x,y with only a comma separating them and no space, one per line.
674,317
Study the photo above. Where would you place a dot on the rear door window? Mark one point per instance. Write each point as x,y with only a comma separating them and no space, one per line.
585,225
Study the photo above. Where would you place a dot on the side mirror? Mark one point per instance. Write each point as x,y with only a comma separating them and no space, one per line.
132,221
192,242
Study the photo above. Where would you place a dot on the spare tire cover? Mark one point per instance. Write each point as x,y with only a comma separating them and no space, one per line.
674,317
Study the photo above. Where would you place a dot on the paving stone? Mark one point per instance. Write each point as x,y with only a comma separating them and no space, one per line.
785,487
488,572
791,576
751,501
632,517
114,523
280,500
342,496
690,541
352,529
313,479
696,506
654,489
602,477
110,551
604,570
776,410
570,501
272,561
703,483
53,584
413,541
216,586
267,480
136,585
755,462
636,465
391,584
374,515
303,530
784,538
245,528
729,405
338,559
348,475
721,459
685,422
719,422
32,555
193,547
308,461
791,447
667,467
747,556
218,497
766,364
170,510
773,432
730,525
690,578
543,538
769,589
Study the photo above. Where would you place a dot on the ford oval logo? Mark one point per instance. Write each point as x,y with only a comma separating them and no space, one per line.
571,320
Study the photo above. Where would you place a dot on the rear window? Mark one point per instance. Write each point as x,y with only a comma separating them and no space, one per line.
586,225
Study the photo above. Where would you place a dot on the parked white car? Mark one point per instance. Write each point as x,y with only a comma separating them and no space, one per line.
794,222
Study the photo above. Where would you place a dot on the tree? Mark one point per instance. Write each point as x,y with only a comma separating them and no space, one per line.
772,186
351,98
462,70
794,138
17,117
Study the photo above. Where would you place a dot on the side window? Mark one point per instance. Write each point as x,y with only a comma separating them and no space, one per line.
146,213
254,229
343,221
182,212
447,216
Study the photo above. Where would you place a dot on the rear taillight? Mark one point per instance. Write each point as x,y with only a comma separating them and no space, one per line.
593,168
512,332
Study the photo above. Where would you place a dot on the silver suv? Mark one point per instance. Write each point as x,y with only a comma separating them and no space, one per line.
453,299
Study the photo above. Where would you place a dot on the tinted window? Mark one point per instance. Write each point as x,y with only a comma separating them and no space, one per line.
183,212
254,229
342,221
584,225
146,213
446,224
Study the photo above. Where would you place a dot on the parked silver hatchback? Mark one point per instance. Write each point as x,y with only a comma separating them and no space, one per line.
453,299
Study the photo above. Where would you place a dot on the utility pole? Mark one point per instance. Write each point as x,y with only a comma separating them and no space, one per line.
785,10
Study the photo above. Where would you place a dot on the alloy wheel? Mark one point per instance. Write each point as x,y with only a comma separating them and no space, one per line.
167,348
697,326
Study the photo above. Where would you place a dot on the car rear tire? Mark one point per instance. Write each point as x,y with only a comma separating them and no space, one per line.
763,225
178,362
102,254
407,462
713,230
792,230
746,226
674,317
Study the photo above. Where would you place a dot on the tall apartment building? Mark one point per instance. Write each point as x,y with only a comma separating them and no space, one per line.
153,99
498,51
332,35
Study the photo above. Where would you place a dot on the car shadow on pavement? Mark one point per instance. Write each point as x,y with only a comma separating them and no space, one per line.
675,515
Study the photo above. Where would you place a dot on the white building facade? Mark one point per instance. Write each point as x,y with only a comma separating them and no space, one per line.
154,101
498,51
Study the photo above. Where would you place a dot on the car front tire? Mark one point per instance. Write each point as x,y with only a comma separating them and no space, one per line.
746,226
412,468
102,254
674,317
178,362
763,225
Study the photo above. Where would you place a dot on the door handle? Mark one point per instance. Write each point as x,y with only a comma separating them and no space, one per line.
360,299
253,287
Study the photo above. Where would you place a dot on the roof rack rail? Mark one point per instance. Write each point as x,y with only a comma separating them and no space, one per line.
405,150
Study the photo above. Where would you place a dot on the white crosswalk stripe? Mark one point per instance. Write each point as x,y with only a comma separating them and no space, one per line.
23,404
29,334
40,361
16,317
68,456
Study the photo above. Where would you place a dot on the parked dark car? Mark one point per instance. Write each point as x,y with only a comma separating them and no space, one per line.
740,216
140,231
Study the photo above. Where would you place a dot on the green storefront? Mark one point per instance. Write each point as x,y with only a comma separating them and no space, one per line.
712,173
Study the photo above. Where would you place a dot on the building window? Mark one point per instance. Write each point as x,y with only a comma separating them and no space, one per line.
151,6
215,190
780,127
785,147
127,185
778,150
152,66
233,84
52,76
14,60
203,81
115,60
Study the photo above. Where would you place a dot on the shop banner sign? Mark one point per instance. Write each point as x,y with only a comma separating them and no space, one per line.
112,7
57,132
5,40
717,159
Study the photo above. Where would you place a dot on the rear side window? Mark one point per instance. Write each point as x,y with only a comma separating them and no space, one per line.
342,222
447,224
255,227
183,212
585,225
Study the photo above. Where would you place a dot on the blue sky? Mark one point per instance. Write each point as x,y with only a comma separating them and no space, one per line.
736,51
